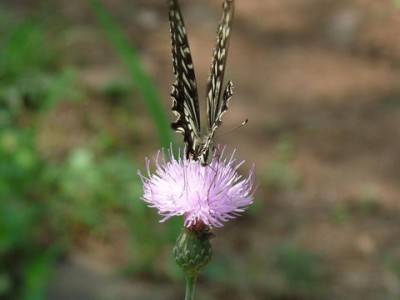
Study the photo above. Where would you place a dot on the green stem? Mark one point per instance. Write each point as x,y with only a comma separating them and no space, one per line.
190,286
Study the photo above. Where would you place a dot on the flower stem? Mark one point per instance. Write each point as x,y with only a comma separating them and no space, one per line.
190,286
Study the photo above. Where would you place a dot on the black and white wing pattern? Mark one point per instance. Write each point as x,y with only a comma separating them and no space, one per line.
217,105
185,103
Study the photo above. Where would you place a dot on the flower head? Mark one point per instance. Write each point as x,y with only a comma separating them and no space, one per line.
209,195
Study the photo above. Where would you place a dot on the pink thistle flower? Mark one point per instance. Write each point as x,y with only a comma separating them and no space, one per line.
205,195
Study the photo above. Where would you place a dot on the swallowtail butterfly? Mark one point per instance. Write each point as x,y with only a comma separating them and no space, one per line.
185,102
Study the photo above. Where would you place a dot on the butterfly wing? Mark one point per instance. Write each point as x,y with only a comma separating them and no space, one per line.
185,103
217,105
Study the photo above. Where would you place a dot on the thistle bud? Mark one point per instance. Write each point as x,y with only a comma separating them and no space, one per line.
193,251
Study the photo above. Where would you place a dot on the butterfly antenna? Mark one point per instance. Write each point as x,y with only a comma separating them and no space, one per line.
244,123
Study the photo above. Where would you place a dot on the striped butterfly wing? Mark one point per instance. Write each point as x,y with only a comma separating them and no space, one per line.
185,103
217,105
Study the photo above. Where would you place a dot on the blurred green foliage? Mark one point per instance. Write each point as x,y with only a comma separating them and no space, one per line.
279,271
279,175
392,264
46,204
141,79
300,269
30,84
26,242
30,79
341,214
364,203
117,91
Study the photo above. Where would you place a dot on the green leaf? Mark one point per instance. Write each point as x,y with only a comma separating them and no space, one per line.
141,78
37,275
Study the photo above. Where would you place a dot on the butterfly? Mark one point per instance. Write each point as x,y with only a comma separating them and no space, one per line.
184,96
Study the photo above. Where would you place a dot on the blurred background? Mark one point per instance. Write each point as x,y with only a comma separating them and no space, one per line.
84,99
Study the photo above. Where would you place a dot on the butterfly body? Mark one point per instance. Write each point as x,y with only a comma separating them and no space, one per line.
185,104
201,150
